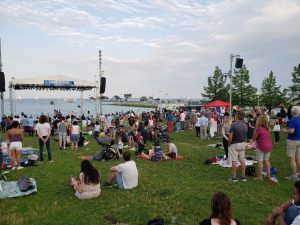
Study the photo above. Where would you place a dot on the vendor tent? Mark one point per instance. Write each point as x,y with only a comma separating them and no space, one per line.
216,103
59,82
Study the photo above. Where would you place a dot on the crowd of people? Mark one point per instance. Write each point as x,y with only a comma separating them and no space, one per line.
118,130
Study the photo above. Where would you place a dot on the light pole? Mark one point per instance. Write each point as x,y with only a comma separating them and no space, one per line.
232,57
258,95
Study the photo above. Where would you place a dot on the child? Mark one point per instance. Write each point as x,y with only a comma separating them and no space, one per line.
276,129
120,145
264,145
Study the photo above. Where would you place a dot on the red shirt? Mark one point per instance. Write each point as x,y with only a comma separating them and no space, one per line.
263,139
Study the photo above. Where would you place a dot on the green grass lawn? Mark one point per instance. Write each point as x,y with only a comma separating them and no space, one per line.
169,189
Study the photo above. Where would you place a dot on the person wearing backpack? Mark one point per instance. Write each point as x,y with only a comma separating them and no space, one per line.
262,135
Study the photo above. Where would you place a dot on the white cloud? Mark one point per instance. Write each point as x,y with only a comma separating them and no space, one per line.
167,44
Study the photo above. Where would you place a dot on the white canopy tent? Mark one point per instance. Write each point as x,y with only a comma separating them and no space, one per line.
58,82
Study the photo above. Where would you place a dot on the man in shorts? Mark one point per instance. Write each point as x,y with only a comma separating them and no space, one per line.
126,174
293,142
237,146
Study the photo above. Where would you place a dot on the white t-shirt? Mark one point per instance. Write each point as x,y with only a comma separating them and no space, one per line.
43,129
198,122
172,148
182,117
75,129
129,174
296,221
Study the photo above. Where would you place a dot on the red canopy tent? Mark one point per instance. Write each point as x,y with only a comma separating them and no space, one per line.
216,103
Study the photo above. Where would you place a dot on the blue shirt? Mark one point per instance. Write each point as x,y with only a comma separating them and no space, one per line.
294,123
203,121
158,154
170,118
291,213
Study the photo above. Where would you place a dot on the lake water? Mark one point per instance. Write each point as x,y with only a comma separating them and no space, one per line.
37,106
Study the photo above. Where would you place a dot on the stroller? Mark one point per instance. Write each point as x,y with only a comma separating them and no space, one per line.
107,152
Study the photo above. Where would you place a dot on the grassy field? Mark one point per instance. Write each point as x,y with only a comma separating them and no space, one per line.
178,191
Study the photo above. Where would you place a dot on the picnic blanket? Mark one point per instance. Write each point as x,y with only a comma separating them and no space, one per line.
223,163
10,189
166,159
219,145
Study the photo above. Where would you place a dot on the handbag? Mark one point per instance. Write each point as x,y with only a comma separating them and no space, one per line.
276,128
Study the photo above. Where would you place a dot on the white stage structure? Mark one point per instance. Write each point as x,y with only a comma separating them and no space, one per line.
50,83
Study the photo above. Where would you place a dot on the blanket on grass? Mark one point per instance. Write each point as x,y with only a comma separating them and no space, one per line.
220,145
166,159
223,163
10,189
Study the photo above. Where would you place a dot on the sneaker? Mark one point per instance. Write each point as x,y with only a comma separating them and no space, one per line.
296,178
41,162
233,179
243,178
51,161
258,178
132,149
20,167
13,168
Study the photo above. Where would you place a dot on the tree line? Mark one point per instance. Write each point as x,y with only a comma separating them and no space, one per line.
244,94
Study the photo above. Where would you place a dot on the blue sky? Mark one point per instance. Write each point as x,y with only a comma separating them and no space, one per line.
147,46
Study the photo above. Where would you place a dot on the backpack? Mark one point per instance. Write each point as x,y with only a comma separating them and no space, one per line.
251,171
157,221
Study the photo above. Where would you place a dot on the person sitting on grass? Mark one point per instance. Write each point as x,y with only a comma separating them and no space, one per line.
81,141
88,184
126,174
264,145
172,150
155,154
286,213
220,211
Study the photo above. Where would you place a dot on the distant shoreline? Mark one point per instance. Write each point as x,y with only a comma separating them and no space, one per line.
141,105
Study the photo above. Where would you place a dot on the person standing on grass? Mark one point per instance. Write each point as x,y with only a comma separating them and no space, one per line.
262,135
237,146
197,126
170,122
276,129
126,174
75,131
44,132
15,138
293,142
225,133
203,127
220,211
62,133
88,184
289,212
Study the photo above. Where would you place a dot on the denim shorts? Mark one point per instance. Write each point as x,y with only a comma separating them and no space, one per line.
74,137
120,181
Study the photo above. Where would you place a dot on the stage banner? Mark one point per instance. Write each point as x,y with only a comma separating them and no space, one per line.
58,83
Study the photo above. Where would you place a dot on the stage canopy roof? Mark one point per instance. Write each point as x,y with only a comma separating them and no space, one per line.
216,103
52,83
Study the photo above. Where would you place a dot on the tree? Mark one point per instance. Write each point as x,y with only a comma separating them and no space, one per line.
294,90
117,98
243,93
271,94
143,99
215,89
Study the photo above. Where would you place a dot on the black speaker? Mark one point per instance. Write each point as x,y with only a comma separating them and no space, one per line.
2,82
102,85
238,63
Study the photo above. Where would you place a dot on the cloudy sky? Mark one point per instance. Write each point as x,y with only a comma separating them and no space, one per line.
147,46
